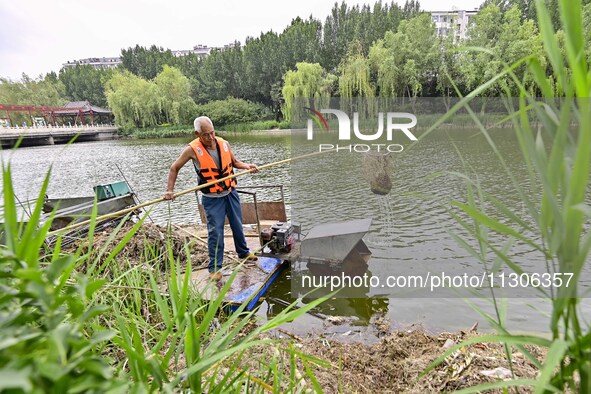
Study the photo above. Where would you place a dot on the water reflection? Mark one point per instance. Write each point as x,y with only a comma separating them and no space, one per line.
357,308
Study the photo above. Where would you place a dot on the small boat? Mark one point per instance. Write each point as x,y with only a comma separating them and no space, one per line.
249,284
110,198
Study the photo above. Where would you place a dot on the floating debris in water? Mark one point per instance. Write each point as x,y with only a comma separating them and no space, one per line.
377,169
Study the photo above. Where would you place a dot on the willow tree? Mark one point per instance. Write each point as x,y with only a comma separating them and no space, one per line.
310,83
405,61
134,101
354,81
175,91
381,59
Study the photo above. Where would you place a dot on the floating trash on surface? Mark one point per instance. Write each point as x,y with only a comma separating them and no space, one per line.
377,170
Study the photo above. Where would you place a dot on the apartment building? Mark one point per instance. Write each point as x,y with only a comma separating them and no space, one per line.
454,22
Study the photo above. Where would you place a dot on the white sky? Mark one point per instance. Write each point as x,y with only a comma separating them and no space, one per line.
38,36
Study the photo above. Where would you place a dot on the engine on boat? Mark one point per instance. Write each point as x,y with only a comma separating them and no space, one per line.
279,237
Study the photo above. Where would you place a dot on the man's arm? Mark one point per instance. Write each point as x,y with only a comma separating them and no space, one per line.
187,155
241,165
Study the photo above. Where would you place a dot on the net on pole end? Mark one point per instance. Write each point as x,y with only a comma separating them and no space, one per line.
377,171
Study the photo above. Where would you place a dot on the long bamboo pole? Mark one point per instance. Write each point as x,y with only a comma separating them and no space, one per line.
148,203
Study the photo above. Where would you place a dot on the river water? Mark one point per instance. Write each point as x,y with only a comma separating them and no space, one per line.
410,224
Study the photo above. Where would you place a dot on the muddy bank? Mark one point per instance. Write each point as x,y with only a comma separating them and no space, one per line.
150,244
395,364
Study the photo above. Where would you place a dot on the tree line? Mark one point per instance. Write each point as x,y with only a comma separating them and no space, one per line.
368,51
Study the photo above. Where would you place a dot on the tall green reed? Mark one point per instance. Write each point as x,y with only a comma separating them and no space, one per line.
48,340
87,320
557,153
176,338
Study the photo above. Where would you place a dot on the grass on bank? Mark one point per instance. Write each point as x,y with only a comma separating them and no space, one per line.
179,131
557,157
87,321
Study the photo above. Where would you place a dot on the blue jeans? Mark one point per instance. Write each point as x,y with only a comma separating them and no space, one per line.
216,210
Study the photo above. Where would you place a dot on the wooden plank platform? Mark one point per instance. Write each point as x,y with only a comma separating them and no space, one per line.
252,279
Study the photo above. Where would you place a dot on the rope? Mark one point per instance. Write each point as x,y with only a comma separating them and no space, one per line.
148,203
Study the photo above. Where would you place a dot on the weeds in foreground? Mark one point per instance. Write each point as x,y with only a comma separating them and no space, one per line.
120,327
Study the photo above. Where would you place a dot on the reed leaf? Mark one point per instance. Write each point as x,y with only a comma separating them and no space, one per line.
558,160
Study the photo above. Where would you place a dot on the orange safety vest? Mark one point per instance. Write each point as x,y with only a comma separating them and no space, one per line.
208,170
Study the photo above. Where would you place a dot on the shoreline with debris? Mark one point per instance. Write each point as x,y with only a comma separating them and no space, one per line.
392,361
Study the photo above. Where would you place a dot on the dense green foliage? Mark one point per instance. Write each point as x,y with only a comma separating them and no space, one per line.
232,110
48,91
218,77
528,9
146,63
84,82
309,81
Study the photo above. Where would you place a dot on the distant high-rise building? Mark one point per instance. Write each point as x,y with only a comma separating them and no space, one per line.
454,22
